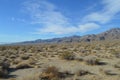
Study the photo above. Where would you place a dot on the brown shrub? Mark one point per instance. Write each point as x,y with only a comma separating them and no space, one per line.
50,73
3,72
82,72
93,61
24,57
4,66
67,55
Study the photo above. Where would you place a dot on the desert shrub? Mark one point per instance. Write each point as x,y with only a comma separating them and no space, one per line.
67,55
79,58
13,56
4,66
52,46
16,61
82,72
3,72
50,73
64,47
24,57
93,61
116,53
23,65
117,65
2,48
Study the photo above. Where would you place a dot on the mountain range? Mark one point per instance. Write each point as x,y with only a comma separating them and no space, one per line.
111,34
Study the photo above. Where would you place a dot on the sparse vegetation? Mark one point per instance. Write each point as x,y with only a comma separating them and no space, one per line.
60,61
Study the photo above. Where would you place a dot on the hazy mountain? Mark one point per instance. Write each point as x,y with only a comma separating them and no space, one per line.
56,40
111,34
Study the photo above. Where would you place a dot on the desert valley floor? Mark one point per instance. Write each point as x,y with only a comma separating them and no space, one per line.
98,60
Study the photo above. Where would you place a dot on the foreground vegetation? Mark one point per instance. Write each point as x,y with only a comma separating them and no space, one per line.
63,61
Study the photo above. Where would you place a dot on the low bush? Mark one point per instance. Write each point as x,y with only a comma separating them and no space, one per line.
4,66
93,61
67,55
3,72
50,73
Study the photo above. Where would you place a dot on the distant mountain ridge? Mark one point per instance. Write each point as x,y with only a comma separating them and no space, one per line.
56,40
111,34
3,43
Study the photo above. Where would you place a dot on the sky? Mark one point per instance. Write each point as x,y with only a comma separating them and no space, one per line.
25,20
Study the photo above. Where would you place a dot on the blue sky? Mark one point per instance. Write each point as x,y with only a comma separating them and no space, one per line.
23,20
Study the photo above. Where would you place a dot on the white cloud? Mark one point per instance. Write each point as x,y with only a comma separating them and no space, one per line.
44,13
53,21
58,30
67,30
111,8
88,27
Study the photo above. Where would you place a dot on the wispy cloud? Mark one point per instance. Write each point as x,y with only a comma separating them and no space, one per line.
18,19
65,30
110,9
51,20
88,27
